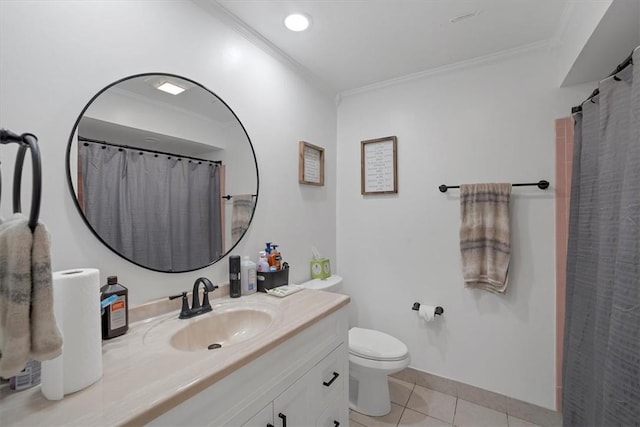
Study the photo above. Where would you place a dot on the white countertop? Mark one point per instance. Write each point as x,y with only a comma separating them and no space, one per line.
144,376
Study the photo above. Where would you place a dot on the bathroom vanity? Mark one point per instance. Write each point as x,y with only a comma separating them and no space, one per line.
293,372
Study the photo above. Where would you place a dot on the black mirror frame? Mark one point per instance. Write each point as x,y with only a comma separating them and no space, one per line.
75,198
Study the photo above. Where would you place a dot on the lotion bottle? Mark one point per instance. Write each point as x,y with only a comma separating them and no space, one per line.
263,264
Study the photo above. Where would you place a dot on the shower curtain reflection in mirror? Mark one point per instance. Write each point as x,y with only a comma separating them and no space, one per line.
162,211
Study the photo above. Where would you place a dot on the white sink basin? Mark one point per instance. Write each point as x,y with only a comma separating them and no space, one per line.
226,325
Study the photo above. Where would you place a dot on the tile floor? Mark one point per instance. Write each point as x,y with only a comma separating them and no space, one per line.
413,405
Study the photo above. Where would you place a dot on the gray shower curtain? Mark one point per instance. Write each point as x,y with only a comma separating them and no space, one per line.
162,213
601,372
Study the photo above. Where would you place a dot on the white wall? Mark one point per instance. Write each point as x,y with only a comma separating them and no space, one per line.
489,123
579,22
125,109
54,56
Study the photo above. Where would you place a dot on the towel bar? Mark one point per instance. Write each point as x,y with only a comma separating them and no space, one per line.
542,184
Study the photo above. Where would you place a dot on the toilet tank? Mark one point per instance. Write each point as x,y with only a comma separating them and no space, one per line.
332,283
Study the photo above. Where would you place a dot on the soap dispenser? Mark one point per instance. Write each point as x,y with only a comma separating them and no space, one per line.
274,257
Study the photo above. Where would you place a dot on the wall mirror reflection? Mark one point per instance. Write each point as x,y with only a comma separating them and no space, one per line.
163,172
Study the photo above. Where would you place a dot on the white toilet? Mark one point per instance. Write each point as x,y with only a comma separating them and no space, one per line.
373,355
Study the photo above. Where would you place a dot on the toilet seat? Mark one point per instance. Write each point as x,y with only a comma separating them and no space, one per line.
376,345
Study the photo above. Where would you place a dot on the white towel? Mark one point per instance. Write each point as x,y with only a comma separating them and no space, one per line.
485,242
241,215
28,327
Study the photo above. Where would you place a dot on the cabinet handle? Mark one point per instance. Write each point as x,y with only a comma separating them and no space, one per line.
283,417
328,384
336,423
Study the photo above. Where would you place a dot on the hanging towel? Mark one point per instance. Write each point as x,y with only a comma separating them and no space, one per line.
28,327
241,215
484,235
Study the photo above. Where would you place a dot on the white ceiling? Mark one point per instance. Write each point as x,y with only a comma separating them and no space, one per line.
355,43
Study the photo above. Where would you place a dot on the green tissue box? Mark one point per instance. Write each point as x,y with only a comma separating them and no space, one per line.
320,268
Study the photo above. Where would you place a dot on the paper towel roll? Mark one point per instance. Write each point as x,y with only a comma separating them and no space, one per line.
427,312
76,300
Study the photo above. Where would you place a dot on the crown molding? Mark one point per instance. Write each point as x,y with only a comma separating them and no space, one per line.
561,31
469,63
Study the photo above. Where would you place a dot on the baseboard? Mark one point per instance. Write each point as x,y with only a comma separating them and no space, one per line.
499,402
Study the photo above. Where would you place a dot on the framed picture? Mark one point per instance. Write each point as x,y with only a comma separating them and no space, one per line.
311,164
379,166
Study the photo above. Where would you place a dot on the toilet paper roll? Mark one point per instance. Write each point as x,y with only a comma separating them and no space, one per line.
427,312
76,296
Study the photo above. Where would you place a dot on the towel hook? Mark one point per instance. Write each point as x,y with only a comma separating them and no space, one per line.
26,140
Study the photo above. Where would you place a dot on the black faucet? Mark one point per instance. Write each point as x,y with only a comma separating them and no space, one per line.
196,308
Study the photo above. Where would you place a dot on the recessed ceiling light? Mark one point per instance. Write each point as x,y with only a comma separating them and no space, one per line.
463,17
171,88
297,22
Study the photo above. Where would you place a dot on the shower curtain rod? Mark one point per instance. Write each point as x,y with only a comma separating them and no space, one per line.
97,141
229,196
624,64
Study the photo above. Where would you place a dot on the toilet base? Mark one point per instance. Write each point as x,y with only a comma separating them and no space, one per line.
369,395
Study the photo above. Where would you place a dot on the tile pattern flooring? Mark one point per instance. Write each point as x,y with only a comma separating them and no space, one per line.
413,405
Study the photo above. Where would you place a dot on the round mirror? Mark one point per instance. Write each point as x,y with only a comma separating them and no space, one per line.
163,172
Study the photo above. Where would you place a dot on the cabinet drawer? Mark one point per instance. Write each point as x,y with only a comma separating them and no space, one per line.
329,377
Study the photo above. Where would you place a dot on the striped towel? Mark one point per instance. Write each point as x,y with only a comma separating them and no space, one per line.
241,215
28,327
484,235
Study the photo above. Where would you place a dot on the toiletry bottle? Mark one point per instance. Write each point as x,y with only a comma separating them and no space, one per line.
248,276
27,378
267,249
234,276
115,318
274,257
262,264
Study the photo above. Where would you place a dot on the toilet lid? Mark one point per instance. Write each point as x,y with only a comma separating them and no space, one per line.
375,345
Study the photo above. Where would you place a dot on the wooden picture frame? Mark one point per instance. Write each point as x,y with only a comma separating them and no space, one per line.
379,166
311,164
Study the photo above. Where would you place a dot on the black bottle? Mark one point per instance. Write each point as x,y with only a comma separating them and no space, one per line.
115,317
234,276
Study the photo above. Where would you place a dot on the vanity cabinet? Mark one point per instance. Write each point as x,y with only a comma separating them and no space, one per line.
263,418
316,399
302,381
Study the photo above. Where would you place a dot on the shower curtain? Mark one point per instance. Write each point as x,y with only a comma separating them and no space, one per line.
159,212
601,368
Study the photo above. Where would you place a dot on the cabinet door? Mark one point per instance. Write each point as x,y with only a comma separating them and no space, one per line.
329,377
336,414
293,407
264,418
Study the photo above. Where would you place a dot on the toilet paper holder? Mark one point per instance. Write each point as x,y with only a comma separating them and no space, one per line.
438,311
